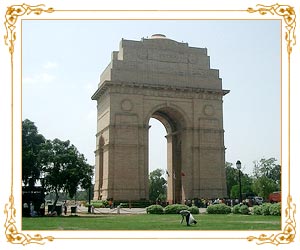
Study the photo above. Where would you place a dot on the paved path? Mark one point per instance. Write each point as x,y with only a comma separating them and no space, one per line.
99,211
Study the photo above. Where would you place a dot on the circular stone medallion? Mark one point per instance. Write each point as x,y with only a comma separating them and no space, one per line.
209,110
126,105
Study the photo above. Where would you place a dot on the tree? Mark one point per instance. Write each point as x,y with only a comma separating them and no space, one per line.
267,176
231,177
65,168
157,185
32,143
232,181
263,186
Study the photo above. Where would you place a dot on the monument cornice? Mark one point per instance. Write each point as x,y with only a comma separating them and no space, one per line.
157,90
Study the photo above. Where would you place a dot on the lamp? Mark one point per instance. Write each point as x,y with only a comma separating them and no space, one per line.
239,166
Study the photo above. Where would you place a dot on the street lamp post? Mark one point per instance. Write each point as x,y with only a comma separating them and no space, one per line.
238,166
89,206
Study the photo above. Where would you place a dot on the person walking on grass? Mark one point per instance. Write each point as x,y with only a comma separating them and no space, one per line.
65,207
188,217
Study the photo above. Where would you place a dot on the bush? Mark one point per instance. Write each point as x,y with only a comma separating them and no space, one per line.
194,210
265,208
155,209
218,209
257,210
236,209
244,209
175,208
275,209
98,203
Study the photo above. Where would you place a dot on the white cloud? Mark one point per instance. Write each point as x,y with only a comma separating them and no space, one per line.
50,65
43,76
39,78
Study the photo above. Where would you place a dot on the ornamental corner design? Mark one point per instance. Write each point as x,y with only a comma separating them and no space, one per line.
11,17
11,231
287,235
289,16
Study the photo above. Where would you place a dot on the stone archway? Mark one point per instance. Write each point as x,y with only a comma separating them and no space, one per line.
175,123
172,82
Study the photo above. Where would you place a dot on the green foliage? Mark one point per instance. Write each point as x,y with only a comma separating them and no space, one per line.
267,176
231,177
244,209
265,208
32,142
218,209
257,210
175,208
99,203
157,185
65,168
152,222
263,186
155,209
232,181
268,209
275,209
194,210
235,191
236,209
240,209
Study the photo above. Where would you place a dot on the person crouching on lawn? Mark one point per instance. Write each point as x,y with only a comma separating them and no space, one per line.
188,217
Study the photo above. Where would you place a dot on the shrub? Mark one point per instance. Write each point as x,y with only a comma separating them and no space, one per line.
244,209
257,210
265,208
155,209
175,208
236,209
218,209
275,209
194,210
98,203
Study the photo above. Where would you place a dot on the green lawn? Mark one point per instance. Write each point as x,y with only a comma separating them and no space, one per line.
153,222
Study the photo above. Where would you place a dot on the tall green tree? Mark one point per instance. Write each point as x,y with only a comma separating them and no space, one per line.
231,177
232,181
157,185
65,168
32,143
267,176
263,186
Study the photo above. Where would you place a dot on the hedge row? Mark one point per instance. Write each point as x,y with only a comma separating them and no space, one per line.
264,209
171,209
268,209
218,209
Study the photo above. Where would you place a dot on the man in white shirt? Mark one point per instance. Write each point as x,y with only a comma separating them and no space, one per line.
188,217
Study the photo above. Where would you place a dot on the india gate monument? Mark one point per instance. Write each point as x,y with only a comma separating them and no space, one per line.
167,80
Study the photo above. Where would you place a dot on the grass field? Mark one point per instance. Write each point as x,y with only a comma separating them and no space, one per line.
152,222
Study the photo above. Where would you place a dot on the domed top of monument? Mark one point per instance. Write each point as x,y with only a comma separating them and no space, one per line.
158,36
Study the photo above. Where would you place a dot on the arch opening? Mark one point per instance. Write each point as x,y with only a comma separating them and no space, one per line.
173,122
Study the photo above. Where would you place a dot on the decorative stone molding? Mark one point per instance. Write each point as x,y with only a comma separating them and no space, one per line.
158,90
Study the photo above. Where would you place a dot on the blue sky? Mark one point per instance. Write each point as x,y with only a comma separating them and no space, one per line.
62,62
